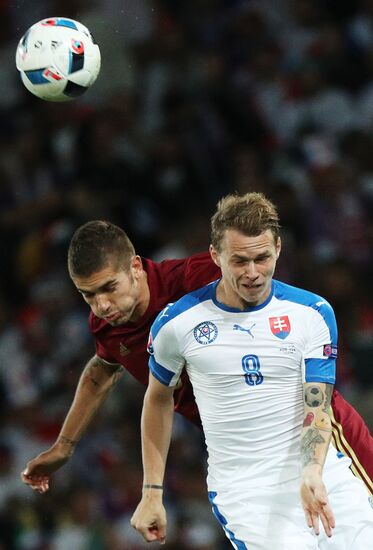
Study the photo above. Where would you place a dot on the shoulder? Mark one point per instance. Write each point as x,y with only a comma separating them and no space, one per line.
170,265
296,295
182,275
172,313
315,307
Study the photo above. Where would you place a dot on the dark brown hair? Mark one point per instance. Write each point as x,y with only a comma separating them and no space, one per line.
96,244
251,214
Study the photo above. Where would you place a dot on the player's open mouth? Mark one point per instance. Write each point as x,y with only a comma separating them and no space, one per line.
251,287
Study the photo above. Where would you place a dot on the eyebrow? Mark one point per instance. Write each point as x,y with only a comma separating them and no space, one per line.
100,288
261,255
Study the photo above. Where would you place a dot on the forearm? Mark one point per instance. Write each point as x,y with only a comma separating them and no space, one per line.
95,383
317,428
315,441
156,426
156,429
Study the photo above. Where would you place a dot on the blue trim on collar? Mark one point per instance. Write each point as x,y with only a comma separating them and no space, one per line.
220,305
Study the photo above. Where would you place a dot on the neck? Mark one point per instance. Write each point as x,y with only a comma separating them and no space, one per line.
144,293
228,298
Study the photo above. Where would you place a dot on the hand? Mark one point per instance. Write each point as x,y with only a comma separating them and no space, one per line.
315,501
38,471
149,518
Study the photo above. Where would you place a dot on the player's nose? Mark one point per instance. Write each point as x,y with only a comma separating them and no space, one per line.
102,303
251,271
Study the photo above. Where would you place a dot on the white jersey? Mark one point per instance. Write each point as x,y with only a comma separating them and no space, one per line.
247,369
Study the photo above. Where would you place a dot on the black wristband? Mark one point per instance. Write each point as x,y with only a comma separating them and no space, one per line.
151,486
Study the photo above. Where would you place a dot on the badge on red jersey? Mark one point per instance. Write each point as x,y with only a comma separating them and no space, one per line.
123,350
280,326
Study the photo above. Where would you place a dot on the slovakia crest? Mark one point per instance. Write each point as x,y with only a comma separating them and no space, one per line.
205,332
280,326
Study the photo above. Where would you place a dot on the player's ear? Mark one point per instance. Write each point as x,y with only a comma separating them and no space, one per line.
136,265
215,255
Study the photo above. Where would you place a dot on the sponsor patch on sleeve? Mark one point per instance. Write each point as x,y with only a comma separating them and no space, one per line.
331,351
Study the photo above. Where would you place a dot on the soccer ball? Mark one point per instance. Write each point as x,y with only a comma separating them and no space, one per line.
58,59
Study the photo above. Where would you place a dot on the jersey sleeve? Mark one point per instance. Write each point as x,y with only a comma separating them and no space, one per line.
321,348
166,362
102,352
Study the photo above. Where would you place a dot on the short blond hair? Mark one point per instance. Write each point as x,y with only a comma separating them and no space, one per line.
251,214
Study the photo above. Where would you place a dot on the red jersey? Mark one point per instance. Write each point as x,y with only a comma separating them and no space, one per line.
170,280
351,436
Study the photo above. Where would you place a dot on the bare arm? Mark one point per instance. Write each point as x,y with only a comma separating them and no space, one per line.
315,440
96,381
156,427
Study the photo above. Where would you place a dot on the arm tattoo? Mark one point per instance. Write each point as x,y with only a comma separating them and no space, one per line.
314,396
109,368
94,382
113,371
67,441
317,424
309,442
308,420
328,398
117,375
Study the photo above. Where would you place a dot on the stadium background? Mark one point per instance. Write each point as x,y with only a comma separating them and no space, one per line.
195,99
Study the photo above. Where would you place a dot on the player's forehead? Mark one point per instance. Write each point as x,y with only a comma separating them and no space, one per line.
110,273
237,243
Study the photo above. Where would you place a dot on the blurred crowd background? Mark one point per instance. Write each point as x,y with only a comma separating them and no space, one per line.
195,100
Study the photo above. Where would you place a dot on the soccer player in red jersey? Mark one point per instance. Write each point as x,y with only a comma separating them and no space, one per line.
125,294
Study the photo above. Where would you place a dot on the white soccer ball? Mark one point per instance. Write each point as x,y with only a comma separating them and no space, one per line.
58,59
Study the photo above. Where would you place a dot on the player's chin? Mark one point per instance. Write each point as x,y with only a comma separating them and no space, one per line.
116,322
120,320
117,319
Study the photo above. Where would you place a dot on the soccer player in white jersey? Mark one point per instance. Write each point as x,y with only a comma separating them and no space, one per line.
261,357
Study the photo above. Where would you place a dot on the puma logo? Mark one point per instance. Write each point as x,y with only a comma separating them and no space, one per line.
243,329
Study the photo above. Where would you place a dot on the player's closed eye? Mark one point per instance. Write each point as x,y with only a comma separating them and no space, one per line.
262,259
239,261
86,295
110,289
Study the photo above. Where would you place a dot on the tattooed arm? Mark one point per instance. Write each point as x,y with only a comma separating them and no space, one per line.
316,435
96,381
